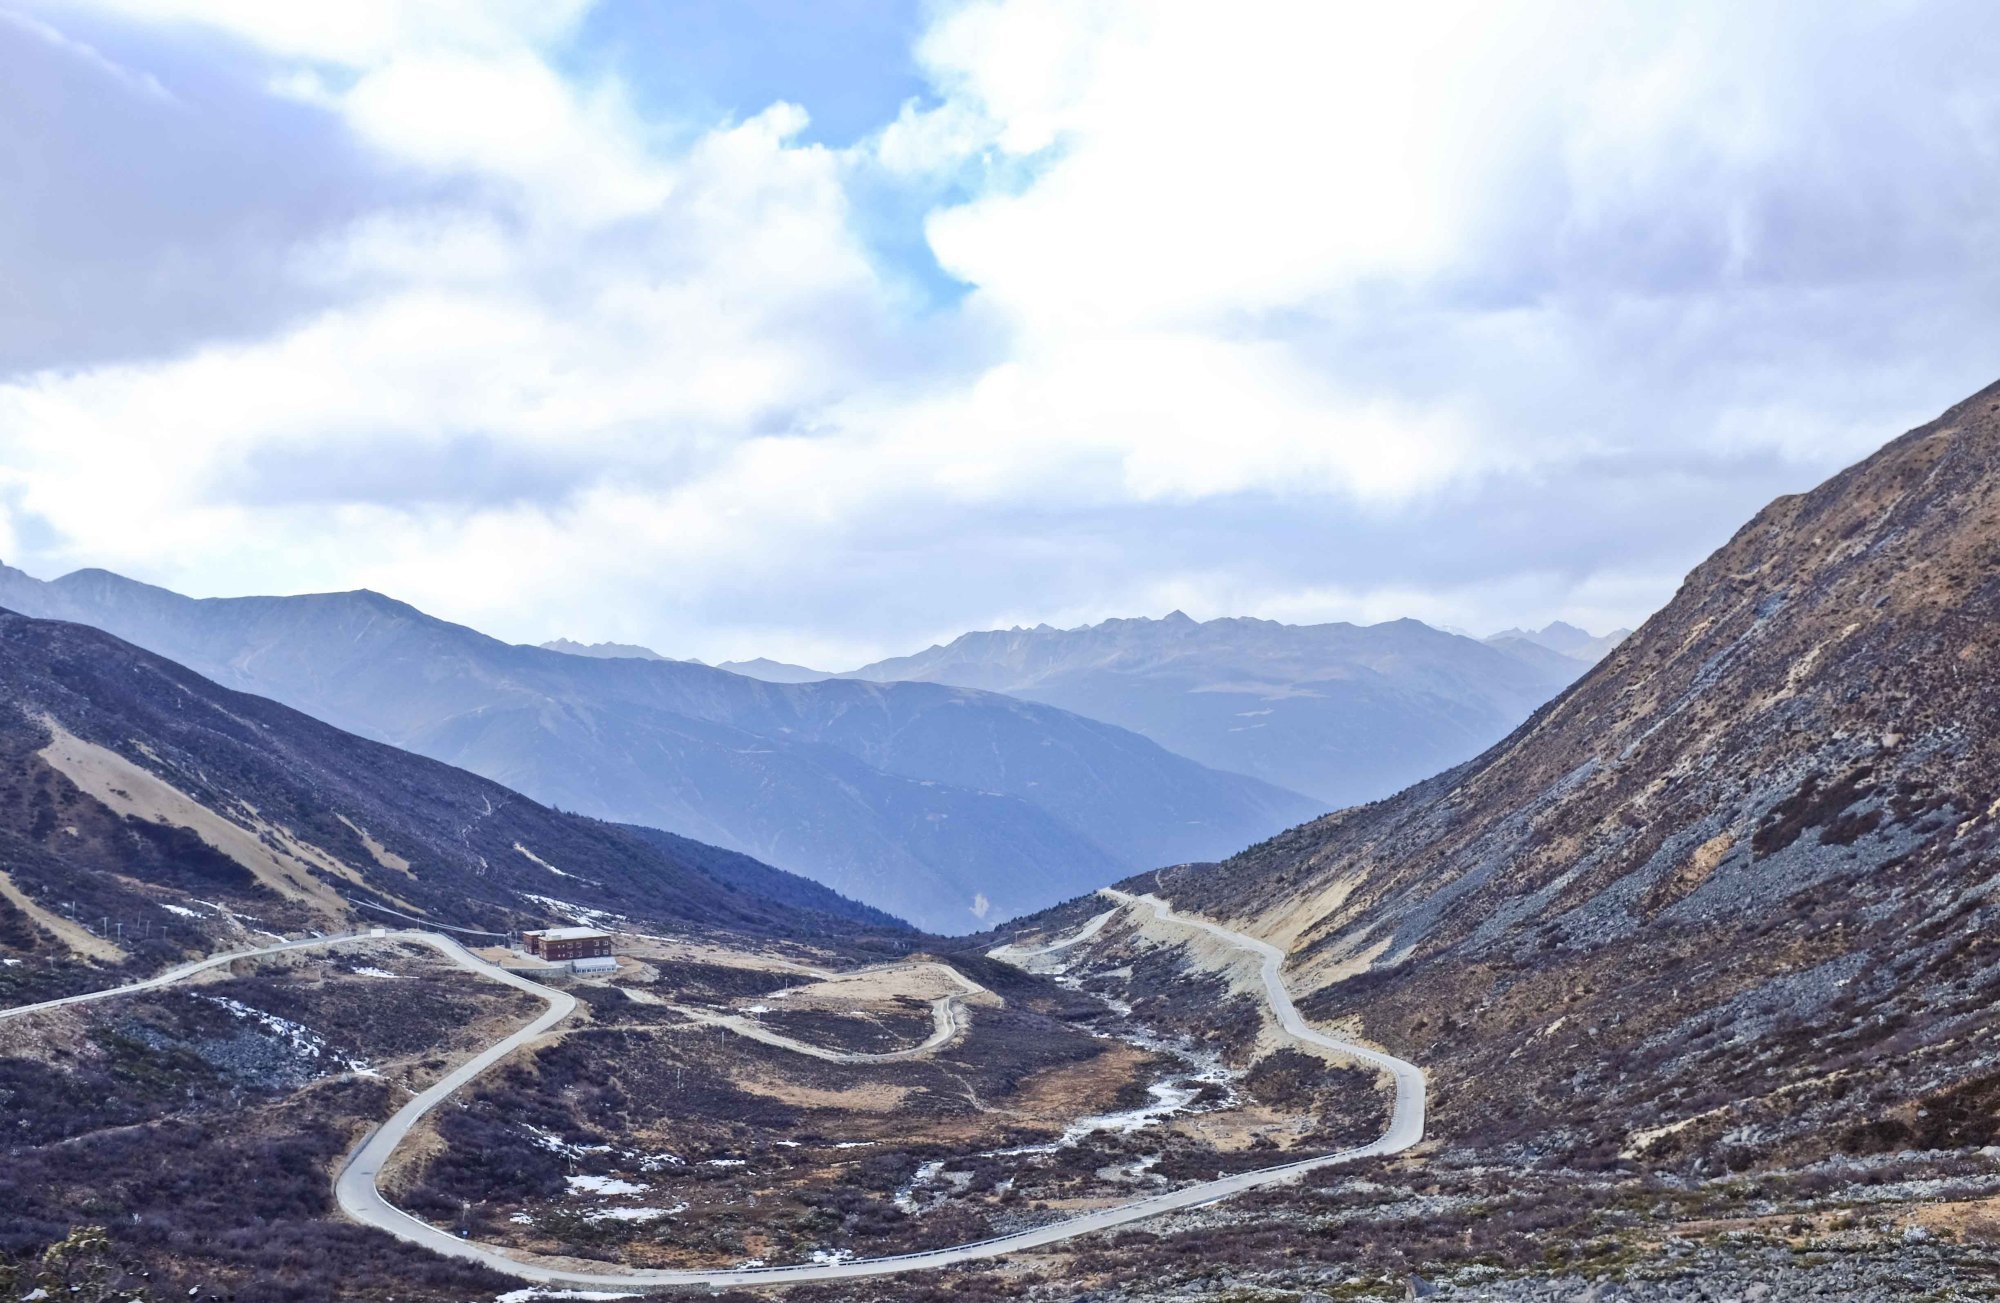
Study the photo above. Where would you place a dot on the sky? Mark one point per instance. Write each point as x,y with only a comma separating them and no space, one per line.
827,329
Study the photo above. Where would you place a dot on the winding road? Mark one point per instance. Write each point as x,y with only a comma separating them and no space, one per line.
357,1191
948,1021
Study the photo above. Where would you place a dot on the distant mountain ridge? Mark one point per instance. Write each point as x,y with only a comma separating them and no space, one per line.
774,671
170,814
944,806
1563,639
1347,712
603,650
762,667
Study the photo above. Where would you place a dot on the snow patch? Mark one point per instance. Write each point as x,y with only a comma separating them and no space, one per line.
555,1144
536,859
581,915
634,1214
305,1042
604,1185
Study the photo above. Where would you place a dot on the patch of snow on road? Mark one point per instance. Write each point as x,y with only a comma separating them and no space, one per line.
182,910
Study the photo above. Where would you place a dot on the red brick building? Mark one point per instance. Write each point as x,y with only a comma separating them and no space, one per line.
561,944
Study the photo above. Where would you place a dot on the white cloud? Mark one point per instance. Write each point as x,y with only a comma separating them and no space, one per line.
1368,286
361,33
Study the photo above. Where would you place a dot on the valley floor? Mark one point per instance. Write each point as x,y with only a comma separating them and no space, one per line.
872,1114
708,1108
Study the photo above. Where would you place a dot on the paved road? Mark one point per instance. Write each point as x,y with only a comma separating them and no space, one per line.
1406,1116
948,1021
357,1193
186,971
1083,934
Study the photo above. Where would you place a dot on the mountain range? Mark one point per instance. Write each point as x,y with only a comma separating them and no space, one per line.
1727,901
1348,713
942,805
1561,638
146,811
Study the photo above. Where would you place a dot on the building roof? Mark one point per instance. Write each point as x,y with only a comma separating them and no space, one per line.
570,933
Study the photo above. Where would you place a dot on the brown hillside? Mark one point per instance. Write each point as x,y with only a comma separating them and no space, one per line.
1737,874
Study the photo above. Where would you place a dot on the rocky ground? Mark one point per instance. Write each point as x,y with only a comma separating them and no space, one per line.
1451,1226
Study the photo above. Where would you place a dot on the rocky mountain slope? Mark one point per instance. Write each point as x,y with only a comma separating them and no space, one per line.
1728,900
939,804
146,812
1346,712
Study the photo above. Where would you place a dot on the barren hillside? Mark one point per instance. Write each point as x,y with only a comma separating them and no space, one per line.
1730,893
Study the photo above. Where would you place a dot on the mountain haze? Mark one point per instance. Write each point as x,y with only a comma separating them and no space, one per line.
774,671
941,805
1346,712
603,650
1729,898
170,813
1563,639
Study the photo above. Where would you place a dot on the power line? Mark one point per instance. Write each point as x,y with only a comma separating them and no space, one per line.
446,927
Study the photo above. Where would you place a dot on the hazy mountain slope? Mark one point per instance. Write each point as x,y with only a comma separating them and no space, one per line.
1346,712
1564,640
758,879
920,799
603,650
774,671
135,791
761,668
1738,877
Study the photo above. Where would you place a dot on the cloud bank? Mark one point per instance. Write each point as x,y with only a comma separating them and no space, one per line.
1306,311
